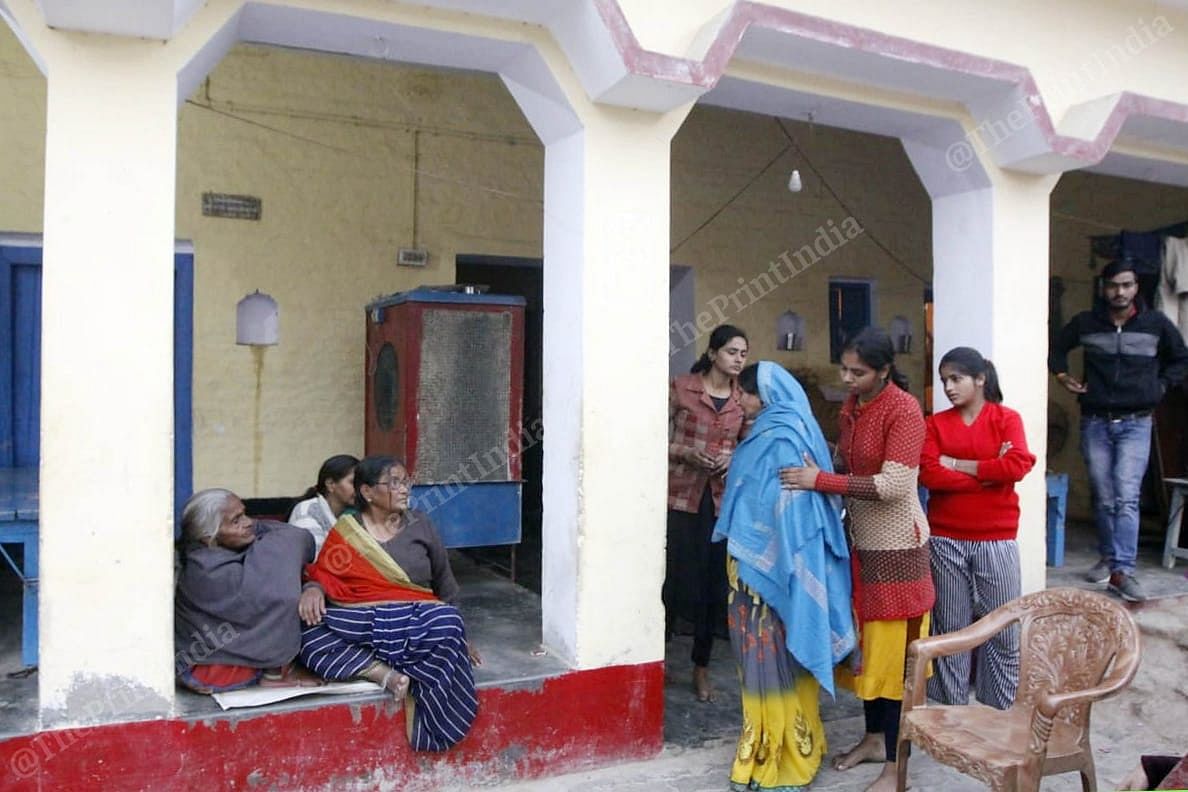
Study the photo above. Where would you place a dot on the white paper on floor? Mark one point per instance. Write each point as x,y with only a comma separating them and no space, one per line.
255,696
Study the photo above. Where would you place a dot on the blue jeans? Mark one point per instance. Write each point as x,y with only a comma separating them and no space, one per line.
1116,453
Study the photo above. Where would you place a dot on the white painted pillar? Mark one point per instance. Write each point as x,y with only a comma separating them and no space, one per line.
606,239
106,607
990,290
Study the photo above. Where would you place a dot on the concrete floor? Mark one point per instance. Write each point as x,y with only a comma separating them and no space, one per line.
1151,717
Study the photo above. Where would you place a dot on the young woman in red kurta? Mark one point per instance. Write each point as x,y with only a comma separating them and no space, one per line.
973,455
882,431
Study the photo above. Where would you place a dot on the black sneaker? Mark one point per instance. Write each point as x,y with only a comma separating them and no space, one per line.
1099,572
1127,587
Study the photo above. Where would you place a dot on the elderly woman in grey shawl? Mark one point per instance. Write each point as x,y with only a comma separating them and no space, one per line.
235,610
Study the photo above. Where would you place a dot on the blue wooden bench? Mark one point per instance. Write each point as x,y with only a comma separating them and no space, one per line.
18,526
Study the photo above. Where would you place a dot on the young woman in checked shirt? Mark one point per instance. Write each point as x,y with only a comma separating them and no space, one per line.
878,456
705,417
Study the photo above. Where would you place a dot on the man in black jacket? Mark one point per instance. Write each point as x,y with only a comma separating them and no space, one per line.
1132,355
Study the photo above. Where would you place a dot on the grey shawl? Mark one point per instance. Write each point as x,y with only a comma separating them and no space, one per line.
240,607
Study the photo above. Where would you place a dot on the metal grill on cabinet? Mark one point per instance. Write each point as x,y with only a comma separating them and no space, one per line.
444,383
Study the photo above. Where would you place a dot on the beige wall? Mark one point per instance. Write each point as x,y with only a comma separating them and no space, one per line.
327,143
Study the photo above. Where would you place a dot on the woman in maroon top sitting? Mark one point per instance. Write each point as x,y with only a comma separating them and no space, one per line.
878,455
705,417
973,454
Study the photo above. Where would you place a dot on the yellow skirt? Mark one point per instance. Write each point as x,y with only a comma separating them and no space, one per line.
883,646
783,740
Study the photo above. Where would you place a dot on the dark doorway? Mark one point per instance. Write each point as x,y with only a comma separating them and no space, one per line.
523,278
849,312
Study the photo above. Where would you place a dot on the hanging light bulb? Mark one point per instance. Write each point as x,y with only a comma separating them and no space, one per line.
794,183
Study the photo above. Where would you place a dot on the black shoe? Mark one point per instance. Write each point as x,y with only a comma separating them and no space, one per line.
1127,587
1099,572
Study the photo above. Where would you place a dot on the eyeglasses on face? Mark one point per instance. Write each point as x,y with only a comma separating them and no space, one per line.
395,483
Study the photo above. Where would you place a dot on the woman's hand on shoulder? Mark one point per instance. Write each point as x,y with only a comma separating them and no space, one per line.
800,478
312,605
476,659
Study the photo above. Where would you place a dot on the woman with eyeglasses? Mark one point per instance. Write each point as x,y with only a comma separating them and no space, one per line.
377,603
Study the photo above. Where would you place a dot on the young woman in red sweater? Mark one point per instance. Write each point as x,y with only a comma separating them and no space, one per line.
973,455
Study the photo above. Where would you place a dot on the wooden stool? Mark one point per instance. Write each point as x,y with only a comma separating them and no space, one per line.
1175,514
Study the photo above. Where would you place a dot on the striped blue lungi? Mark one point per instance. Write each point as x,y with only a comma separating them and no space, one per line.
424,640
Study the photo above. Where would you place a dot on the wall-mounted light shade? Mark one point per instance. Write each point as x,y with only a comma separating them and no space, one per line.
794,182
257,320
790,332
901,334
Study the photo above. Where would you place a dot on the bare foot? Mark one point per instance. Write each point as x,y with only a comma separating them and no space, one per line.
398,685
869,749
886,780
1136,780
701,683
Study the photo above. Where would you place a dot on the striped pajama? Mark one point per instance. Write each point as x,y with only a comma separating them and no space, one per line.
972,579
424,640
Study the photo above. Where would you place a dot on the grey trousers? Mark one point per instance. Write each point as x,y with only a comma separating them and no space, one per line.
972,579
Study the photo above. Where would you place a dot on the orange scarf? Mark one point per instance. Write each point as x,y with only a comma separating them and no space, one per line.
353,569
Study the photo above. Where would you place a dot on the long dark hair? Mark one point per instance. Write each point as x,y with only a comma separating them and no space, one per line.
336,468
369,471
720,337
873,347
969,361
748,379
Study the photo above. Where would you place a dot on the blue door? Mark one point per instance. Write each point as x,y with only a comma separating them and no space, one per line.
20,357
20,363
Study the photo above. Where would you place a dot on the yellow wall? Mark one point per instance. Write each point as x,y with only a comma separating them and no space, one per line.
718,151
327,143
22,138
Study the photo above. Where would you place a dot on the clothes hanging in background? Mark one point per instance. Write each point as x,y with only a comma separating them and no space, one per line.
1172,298
1143,248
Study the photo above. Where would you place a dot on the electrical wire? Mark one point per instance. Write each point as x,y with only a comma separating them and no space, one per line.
731,199
314,142
846,207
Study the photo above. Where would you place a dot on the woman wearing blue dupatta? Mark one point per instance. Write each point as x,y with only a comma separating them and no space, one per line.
789,604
